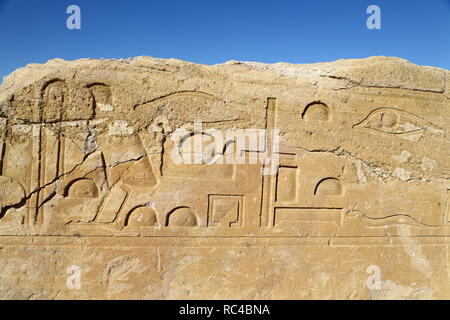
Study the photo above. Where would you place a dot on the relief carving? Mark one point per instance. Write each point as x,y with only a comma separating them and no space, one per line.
227,159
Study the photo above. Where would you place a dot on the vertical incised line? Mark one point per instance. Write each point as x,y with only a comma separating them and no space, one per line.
267,196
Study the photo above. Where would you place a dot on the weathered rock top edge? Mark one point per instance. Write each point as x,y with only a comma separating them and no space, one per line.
377,71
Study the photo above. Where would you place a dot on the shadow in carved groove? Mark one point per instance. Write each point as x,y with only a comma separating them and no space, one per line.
316,111
181,217
102,97
82,188
142,216
55,98
328,187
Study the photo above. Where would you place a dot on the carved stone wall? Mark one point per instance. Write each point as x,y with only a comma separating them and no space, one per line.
163,179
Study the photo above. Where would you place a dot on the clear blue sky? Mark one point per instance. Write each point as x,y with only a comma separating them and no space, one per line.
211,32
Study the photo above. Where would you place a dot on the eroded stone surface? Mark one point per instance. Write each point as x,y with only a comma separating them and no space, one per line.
349,173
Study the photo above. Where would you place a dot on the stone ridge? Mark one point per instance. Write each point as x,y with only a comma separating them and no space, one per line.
379,71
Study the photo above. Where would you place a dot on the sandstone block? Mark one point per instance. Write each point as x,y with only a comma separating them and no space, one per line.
162,179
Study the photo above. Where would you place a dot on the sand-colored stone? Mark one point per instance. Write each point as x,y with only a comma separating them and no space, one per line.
89,179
